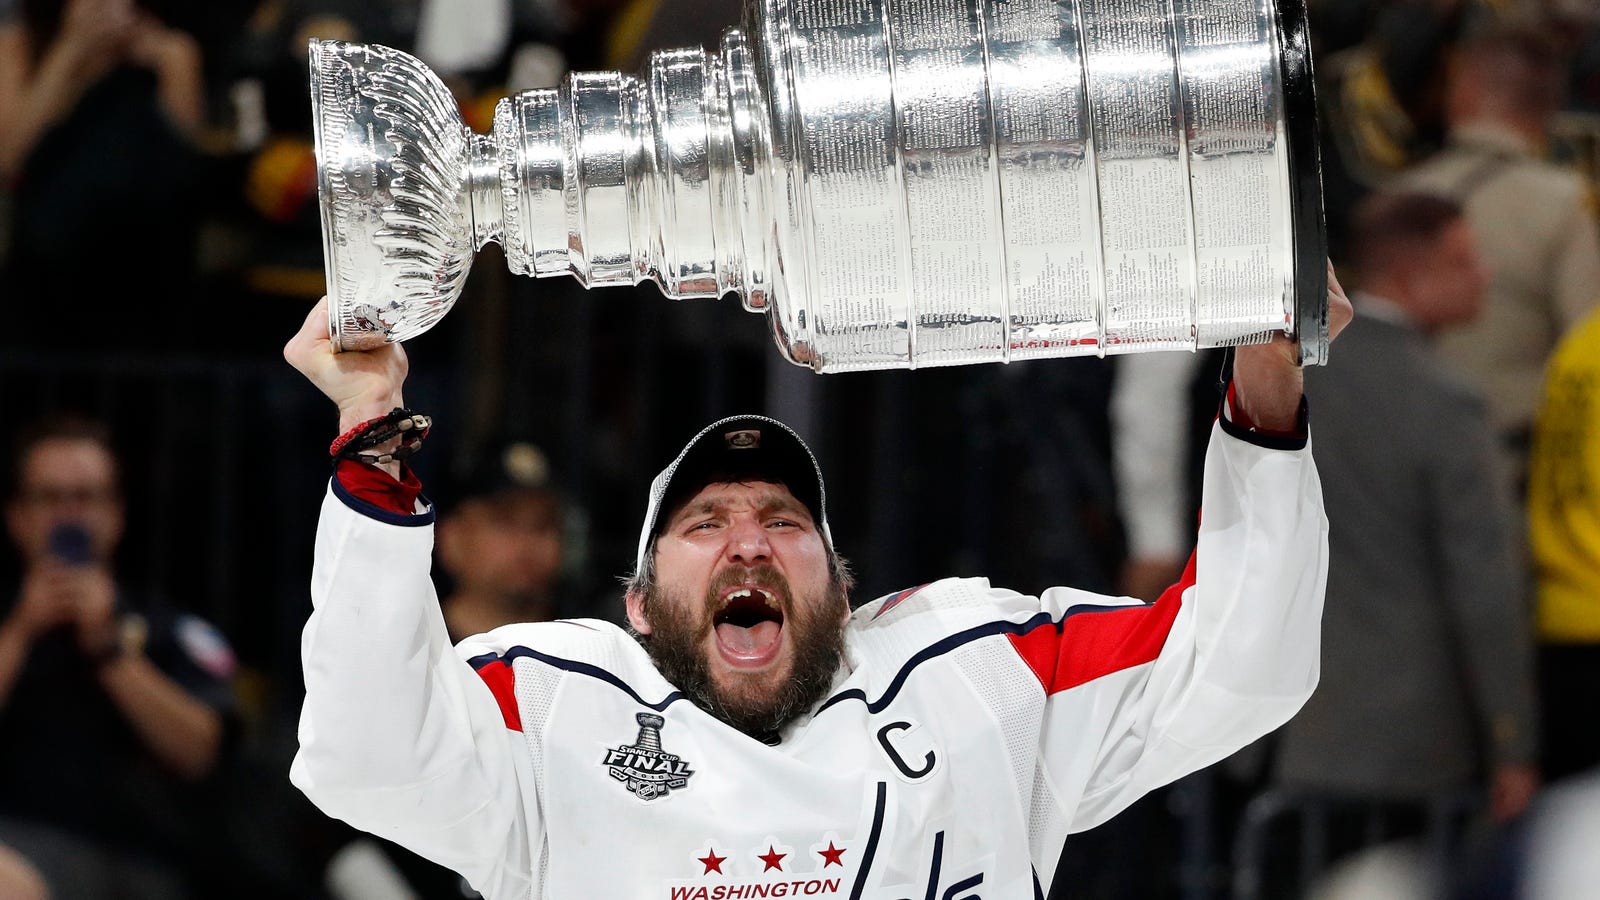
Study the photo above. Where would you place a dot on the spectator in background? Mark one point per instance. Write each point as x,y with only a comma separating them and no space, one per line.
1534,222
500,543
1564,524
99,105
1427,672
113,709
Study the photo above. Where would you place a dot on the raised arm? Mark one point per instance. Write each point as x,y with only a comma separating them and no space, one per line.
1228,653
398,735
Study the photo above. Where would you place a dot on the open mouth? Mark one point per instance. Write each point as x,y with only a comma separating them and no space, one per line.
749,626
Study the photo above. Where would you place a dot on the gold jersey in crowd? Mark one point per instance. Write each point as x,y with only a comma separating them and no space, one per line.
1564,493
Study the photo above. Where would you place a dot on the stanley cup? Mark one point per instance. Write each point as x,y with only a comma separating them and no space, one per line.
894,183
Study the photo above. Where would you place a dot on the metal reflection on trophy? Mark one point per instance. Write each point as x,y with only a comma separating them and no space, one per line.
893,183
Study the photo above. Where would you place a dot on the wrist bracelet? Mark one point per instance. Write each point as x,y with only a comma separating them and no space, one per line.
410,426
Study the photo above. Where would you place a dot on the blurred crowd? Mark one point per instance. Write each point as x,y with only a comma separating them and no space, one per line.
159,241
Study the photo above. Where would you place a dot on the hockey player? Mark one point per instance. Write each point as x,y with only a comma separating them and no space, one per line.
754,736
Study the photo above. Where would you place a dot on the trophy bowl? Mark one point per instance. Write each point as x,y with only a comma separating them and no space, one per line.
394,172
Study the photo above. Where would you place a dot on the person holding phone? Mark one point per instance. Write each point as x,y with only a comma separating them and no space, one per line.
113,709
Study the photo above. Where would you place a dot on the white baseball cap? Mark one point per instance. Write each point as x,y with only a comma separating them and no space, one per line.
738,448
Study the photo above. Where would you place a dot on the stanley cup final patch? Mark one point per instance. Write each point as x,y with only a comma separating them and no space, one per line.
643,767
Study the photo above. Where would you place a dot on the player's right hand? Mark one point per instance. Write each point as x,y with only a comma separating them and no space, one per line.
363,384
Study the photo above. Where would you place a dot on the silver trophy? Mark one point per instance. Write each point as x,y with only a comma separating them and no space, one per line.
894,183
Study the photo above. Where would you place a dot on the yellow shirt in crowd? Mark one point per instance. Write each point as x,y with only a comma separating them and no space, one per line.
1564,491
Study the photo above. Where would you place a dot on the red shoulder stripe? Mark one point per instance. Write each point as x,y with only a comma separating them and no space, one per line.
502,682
1087,646
895,600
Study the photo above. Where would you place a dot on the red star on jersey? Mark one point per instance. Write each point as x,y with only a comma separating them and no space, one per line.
830,856
772,858
712,862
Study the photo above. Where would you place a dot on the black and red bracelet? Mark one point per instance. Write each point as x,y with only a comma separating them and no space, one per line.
410,426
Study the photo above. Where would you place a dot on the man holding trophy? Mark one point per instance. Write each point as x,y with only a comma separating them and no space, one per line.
751,733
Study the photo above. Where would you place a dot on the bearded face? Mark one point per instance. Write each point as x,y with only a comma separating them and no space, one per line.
745,613
756,703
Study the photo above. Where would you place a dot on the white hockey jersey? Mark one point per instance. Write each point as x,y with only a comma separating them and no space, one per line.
970,731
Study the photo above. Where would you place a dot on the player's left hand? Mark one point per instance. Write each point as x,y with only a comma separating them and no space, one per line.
1268,380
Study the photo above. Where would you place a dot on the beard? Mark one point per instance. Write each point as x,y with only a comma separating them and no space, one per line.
751,704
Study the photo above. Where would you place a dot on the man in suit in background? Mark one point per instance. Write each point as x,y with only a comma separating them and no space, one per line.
1427,680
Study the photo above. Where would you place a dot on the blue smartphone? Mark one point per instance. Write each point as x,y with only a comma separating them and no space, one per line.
69,543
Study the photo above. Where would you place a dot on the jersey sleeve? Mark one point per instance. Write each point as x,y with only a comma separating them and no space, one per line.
398,735
1138,695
